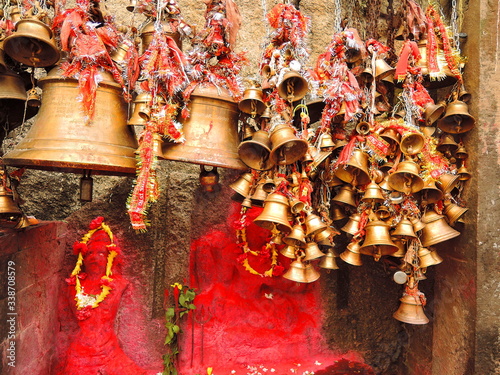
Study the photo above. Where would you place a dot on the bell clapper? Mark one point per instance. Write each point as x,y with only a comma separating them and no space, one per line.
86,186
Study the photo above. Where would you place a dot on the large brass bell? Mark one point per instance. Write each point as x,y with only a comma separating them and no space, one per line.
444,77
373,194
346,196
433,112
412,143
328,261
312,251
352,226
352,255
256,152
64,140
287,148
211,131
314,224
428,258
436,229
297,237
411,311
378,241
457,118
293,86
406,178
430,193
32,44
355,171
454,212
252,102
275,213
404,230
10,213
447,182
242,186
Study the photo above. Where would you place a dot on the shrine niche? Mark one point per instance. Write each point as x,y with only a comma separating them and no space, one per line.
299,188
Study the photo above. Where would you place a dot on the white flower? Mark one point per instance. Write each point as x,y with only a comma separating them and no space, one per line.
268,295
317,363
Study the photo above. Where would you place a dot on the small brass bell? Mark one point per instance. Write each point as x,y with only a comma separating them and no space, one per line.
289,251
296,205
454,212
297,237
367,76
447,143
256,152
148,31
132,5
352,255
355,171
391,135
363,128
141,102
287,148
428,258
433,112
242,186
325,235
430,193
447,182
411,311
464,95
336,213
34,99
311,273
10,213
401,248
352,226
382,69
383,212
312,251
385,184
269,185
463,173
373,194
293,86
296,272
346,196
314,224
445,76
404,230
252,102
461,152
326,141
418,225
209,179
275,213
457,118
412,143
377,241
328,261
259,196
436,229
406,178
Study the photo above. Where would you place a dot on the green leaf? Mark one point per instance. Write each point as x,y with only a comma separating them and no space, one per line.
182,299
192,306
176,329
170,312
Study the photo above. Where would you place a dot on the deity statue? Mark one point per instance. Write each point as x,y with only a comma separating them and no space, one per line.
95,289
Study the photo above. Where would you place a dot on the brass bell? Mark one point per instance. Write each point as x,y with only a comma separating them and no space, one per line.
311,274
296,205
367,76
3,65
404,230
447,182
275,213
328,261
428,258
269,185
293,86
339,144
352,226
287,148
119,55
412,143
252,102
401,252
382,69
385,184
325,236
312,251
326,141
296,272
418,225
13,100
464,95
411,311
141,102
436,229
377,241
430,193
461,152
314,224
363,128
256,153
297,237
289,252
148,31
454,212
32,44
15,14
355,171
447,143
427,131
463,173
242,186
336,213
66,140
209,179
132,5
333,181
406,178
352,255
346,196
444,77
383,212
391,135
259,196
211,131
433,112
457,118
247,202
33,99
10,213
373,194
248,132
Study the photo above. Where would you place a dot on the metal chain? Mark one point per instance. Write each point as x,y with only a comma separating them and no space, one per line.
454,24
337,16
